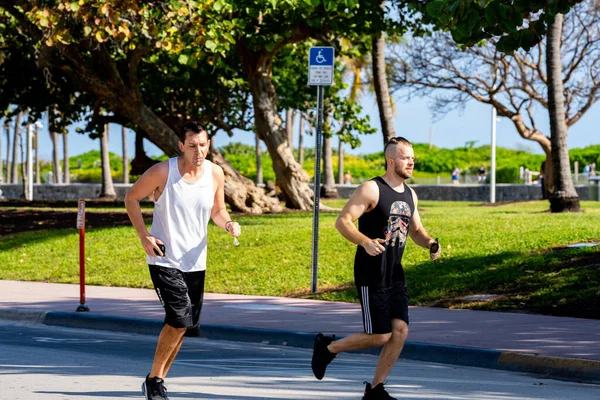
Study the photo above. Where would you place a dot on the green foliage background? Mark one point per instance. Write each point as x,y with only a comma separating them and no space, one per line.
430,163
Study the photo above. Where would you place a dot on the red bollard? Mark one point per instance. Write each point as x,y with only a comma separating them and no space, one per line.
81,227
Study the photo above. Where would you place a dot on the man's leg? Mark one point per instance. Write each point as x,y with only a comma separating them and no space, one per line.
172,357
359,341
168,345
391,351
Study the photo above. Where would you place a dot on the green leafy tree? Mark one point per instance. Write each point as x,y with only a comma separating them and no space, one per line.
513,24
132,60
514,84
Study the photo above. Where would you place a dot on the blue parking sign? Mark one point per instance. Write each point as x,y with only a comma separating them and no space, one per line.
321,65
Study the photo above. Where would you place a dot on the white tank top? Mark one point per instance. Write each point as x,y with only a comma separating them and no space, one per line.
180,220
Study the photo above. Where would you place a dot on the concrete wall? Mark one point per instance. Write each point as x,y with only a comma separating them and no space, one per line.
74,191
480,193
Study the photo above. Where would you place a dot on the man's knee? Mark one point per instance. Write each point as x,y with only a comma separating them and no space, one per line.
400,330
172,329
380,339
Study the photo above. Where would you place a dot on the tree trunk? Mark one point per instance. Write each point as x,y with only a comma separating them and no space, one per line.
564,197
14,174
301,140
289,126
37,154
125,159
291,178
7,133
1,159
329,190
108,189
381,87
67,171
55,158
24,167
141,162
259,168
240,193
341,162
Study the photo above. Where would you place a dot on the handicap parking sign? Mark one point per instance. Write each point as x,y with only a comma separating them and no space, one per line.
320,66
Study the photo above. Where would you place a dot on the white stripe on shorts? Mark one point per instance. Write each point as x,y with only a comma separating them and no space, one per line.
364,290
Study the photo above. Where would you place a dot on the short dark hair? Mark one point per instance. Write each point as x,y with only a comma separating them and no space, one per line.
396,140
190,126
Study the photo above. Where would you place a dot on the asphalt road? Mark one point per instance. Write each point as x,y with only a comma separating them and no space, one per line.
46,363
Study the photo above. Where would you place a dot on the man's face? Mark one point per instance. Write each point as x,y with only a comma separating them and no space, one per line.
404,161
195,148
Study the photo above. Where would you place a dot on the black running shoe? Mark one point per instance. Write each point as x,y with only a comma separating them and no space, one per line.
321,355
154,389
376,393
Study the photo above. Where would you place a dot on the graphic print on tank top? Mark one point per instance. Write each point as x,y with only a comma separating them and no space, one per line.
396,230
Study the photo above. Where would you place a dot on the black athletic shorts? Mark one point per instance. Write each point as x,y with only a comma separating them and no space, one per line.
381,305
181,294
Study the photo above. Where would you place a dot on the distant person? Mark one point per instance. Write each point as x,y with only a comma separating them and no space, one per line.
481,174
347,178
541,178
387,213
593,169
455,176
188,191
586,171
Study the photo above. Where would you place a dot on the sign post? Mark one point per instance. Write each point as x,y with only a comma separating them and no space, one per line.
320,73
81,227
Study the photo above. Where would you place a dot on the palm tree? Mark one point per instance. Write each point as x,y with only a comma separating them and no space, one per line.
301,139
108,189
125,159
67,172
259,168
382,92
36,139
14,174
564,197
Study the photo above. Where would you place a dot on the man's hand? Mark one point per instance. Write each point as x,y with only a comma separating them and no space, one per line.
373,247
434,249
233,228
150,245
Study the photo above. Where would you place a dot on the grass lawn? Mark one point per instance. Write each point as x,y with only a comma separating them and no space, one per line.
510,250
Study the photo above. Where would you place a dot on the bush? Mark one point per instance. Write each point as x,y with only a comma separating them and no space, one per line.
507,175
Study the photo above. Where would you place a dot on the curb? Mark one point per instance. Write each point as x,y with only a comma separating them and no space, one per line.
580,370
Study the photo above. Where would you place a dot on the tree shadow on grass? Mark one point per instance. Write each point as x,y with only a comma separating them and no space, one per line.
560,282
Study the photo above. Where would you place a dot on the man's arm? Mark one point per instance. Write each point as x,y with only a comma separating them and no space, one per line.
219,213
417,231
363,199
154,179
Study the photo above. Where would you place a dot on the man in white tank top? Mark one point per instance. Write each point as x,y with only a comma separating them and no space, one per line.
188,191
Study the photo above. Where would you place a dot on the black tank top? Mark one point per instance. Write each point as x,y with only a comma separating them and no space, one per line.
389,220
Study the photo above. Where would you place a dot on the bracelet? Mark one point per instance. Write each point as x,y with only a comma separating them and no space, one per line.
226,225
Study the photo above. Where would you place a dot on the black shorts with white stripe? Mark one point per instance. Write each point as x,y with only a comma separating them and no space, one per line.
381,305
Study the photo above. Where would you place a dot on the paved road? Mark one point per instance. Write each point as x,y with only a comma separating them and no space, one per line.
46,363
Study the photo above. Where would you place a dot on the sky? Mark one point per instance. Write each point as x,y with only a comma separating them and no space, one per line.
413,121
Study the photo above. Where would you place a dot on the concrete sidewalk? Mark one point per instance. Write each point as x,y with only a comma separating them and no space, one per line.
553,346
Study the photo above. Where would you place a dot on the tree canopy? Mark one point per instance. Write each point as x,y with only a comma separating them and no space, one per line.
513,23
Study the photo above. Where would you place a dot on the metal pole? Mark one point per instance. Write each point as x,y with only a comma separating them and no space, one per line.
81,226
30,162
493,166
430,138
317,191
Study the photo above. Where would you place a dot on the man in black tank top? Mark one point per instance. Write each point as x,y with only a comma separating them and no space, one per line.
386,209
